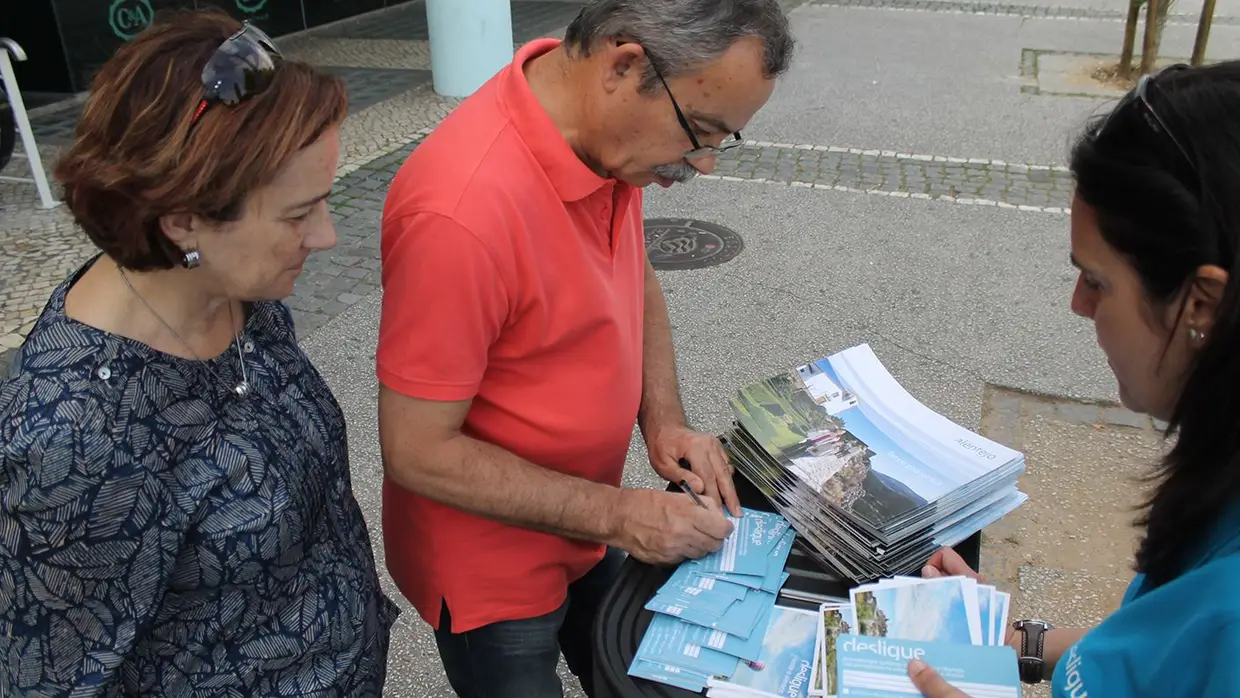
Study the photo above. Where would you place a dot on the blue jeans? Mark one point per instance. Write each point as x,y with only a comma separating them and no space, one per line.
518,658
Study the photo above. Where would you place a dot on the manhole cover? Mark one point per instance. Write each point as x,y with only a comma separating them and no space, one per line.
683,243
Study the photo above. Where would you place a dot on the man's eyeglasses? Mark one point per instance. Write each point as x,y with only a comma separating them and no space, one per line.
243,66
1139,96
699,150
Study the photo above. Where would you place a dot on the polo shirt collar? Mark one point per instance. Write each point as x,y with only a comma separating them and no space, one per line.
573,179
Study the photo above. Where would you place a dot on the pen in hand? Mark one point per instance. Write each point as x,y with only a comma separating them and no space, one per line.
684,485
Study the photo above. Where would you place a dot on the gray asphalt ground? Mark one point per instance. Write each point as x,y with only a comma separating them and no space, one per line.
940,83
950,296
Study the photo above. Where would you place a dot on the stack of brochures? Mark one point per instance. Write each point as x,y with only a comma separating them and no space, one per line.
954,624
872,480
715,617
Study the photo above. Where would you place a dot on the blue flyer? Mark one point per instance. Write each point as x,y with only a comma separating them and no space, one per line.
747,550
877,667
740,619
667,643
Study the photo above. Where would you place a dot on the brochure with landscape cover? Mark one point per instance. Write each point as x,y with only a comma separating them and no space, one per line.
872,479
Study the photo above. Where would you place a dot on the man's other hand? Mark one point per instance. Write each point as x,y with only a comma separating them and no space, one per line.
709,471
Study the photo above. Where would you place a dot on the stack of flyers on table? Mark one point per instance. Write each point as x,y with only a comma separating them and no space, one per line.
873,480
716,622
955,624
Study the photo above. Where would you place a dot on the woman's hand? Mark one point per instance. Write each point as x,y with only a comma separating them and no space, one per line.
929,682
948,563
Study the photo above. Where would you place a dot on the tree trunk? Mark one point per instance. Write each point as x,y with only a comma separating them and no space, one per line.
1161,14
1203,32
1149,48
1130,38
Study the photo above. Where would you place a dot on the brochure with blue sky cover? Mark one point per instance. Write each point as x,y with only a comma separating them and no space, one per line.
877,667
785,665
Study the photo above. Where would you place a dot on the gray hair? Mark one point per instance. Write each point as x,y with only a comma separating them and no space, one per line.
682,36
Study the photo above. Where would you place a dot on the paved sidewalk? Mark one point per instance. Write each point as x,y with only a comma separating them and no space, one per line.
905,188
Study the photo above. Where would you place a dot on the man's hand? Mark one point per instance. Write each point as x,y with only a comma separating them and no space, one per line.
946,562
929,682
664,528
709,471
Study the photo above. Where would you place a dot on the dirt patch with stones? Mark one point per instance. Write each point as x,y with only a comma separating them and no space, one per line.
1066,555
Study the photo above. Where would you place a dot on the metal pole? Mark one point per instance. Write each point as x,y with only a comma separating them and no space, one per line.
471,40
7,47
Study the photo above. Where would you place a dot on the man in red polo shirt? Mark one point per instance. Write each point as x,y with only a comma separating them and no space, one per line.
524,333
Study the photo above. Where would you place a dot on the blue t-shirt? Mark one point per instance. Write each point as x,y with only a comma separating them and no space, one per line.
1179,639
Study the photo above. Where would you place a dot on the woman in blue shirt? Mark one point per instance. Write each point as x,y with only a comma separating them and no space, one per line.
1155,233
176,516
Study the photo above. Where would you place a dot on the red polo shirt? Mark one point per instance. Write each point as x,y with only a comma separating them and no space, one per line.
513,275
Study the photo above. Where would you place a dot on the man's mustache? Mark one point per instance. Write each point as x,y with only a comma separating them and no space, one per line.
677,172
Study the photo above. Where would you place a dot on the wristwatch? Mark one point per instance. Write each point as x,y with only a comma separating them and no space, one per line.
1033,638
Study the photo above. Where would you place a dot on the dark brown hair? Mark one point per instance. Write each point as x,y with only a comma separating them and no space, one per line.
1169,212
135,159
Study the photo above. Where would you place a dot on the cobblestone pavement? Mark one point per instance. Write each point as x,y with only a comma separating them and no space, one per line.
1018,10
964,180
335,280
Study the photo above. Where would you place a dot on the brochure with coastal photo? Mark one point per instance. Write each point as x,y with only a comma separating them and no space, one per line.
784,667
943,609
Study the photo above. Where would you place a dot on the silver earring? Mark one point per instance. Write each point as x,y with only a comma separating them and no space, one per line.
1195,335
191,259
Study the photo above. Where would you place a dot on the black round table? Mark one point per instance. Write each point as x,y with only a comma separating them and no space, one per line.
621,621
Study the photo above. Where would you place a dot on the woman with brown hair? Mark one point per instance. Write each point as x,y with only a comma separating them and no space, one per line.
176,514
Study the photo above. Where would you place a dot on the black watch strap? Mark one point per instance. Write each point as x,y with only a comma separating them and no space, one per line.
1032,644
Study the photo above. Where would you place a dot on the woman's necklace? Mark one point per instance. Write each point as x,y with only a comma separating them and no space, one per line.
240,389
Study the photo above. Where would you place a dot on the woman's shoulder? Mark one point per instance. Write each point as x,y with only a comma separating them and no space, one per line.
1178,639
71,381
55,392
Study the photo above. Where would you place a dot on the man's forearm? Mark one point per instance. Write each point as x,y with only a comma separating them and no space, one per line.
660,406
492,482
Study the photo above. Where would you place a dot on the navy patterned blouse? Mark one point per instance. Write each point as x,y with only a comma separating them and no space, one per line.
160,535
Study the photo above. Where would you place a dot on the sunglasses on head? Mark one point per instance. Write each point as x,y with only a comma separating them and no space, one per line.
1138,98
243,66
